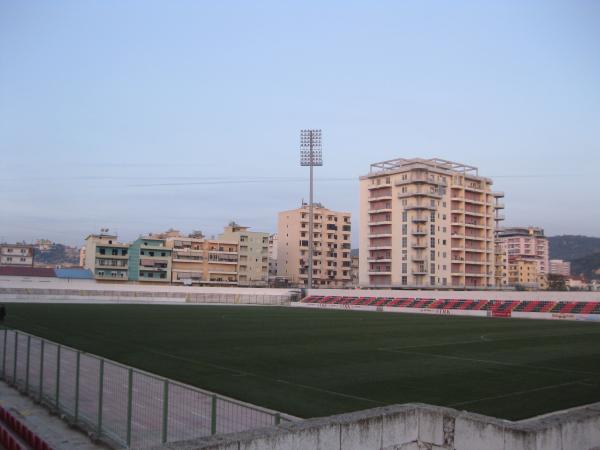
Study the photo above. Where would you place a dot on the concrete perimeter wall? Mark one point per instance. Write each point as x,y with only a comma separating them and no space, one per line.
18,289
417,427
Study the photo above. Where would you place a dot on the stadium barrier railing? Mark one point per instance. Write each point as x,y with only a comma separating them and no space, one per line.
124,406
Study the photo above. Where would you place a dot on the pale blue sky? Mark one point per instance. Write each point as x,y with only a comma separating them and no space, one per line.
204,101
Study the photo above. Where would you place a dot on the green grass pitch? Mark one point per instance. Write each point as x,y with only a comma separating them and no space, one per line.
311,363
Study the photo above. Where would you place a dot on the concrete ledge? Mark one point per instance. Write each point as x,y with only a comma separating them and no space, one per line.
415,426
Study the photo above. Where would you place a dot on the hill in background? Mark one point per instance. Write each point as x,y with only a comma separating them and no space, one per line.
582,251
571,247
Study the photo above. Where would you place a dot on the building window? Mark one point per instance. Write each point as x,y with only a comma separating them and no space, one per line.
404,281
404,267
432,240
404,228
432,229
404,216
404,241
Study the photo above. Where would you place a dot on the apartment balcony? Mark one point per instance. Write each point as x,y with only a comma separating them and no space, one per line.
474,225
474,188
475,262
475,213
380,197
419,207
418,245
420,179
381,222
380,247
377,272
419,271
498,205
379,259
419,194
457,236
98,255
380,235
419,259
380,186
499,217
419,219
221,272
477,275
498,194
470,237
474,249
380,210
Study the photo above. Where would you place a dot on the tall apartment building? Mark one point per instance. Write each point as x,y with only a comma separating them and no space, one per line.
107,258
273,241
253,249
560,267
200,261
331,245
527,242
16,255
427,223
150,260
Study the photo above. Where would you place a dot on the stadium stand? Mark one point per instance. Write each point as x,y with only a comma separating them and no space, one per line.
496,308
15,435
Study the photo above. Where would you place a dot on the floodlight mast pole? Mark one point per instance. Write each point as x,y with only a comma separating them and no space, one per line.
310,216
310,155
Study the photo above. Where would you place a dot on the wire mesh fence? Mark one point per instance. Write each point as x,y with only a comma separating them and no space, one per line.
123,405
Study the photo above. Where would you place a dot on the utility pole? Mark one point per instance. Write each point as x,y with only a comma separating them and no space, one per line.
311,155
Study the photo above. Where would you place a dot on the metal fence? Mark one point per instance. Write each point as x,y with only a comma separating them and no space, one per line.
120,404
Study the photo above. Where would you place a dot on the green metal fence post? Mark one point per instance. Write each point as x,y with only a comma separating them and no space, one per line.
4,354
129,404
42,370
77,370
213,415
57,376
15,357
27,364
100,396
165,418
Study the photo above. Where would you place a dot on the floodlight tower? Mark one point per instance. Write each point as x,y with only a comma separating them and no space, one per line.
311,154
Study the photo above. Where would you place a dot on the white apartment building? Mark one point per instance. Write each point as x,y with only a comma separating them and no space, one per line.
427,223
16,255
560,267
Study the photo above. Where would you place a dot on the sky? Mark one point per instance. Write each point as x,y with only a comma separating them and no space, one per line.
139,116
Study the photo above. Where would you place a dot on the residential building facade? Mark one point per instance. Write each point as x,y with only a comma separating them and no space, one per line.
149,260
560,267
528,242
273,241
21,255
253,253
205,262
331,247
107,258
427,223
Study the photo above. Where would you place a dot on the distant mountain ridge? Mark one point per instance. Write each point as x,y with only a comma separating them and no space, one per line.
572,247
588,266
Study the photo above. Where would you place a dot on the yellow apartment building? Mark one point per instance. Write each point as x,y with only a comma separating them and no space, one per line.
332,244
427,223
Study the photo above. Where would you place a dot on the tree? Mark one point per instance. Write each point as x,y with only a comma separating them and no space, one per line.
556,282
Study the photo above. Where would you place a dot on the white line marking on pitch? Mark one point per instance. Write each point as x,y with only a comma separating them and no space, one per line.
490,361
512,394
